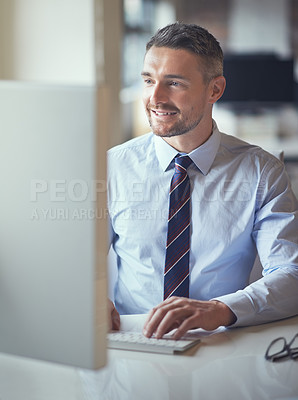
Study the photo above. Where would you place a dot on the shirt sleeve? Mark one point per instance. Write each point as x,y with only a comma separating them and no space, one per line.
275,232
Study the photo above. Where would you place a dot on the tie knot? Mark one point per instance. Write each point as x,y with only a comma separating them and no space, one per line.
182,162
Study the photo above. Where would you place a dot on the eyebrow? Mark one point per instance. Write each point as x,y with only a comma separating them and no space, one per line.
169,76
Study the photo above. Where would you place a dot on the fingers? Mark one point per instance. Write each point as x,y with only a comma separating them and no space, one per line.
166,317
113,316
174,318
186,325
153,320
115,320
185,314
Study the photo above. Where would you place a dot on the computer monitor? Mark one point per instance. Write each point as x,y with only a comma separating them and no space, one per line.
53,285
250,76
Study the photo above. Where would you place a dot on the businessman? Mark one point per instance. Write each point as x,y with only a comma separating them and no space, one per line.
190,207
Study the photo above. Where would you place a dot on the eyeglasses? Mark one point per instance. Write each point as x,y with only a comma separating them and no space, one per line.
279,349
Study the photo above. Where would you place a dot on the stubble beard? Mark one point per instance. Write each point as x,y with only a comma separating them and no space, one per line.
179,128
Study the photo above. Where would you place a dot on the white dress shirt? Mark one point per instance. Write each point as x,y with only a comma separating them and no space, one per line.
241,200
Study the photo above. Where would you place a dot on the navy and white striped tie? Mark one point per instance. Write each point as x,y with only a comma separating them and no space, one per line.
176,274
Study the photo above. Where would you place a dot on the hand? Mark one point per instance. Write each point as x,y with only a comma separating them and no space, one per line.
114,318
184,314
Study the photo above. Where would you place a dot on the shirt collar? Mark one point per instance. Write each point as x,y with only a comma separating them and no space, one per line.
203,156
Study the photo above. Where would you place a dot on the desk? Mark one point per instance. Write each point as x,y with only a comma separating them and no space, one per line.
228,364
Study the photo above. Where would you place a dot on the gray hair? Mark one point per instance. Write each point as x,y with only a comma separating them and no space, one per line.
195,39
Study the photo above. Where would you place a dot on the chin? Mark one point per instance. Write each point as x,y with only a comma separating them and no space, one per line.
167,134
162,134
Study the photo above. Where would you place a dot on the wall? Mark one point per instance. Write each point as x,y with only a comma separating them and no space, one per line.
49,41
68,42
260,26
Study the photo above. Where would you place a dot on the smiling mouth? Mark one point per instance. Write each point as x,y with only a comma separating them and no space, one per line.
165,113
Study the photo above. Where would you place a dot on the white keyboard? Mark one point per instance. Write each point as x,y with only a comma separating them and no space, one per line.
137,341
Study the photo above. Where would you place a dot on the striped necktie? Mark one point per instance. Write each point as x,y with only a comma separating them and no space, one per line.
176,274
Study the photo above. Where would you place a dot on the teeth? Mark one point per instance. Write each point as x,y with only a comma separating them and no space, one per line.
166,113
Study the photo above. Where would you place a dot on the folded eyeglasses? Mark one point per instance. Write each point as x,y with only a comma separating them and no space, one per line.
279,349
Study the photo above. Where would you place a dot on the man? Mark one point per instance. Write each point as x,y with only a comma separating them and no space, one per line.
240,200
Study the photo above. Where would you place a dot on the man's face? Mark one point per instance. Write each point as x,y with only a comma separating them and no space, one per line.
175,95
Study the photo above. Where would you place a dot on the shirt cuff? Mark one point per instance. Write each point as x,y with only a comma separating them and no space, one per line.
241,305
268,299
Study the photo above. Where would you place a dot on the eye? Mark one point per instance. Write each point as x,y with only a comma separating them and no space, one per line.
148,81
174,83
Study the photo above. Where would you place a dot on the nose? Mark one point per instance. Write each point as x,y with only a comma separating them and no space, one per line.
159,94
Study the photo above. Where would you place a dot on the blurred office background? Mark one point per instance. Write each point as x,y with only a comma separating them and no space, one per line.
50,41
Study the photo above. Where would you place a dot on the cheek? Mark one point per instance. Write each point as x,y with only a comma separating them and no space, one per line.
145,97
198,102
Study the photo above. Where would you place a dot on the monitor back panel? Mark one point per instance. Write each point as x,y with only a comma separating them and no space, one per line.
52,280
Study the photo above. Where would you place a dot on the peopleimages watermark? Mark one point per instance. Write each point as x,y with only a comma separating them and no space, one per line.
80,190
65,214
80,213
64,200
60,190
79,199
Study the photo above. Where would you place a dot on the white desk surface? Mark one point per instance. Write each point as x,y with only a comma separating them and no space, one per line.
228,364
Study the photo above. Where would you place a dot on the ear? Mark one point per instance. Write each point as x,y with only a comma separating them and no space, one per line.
216,87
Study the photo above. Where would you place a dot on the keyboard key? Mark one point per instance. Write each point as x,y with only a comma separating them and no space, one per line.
138,342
